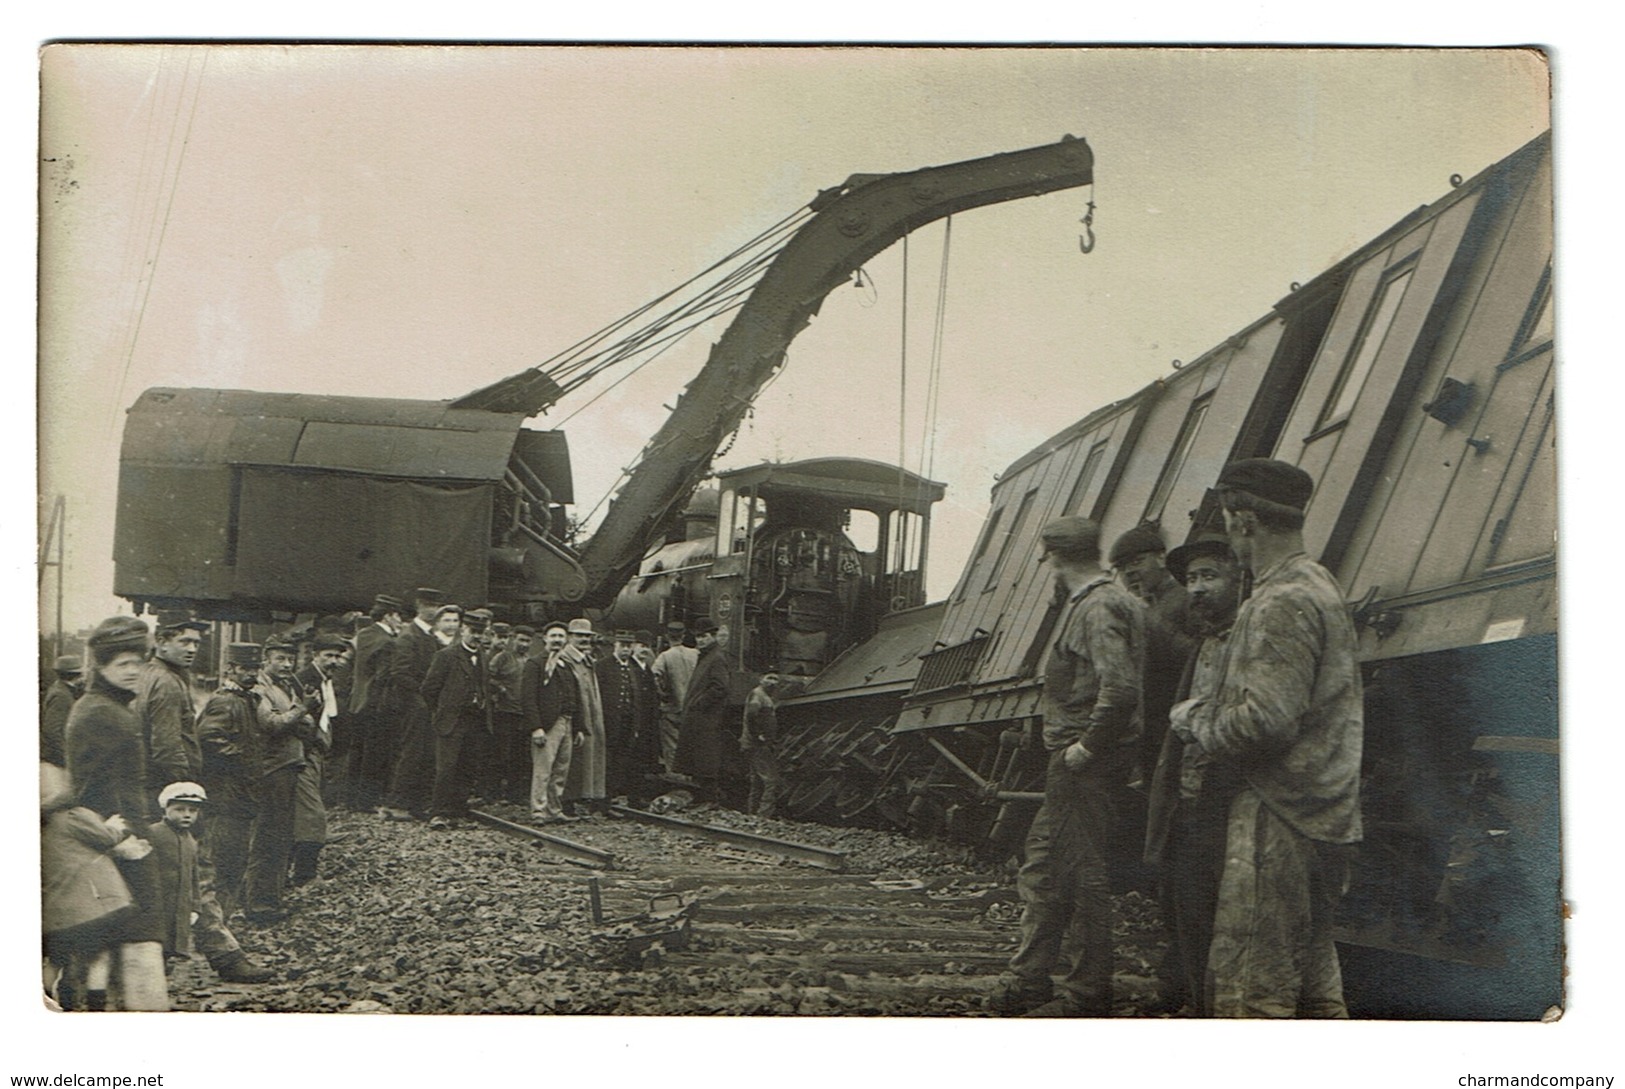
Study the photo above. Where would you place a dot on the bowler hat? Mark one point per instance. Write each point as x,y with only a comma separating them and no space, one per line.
642,636
1143,538
706,626
1276,482
182,792
1209,544
332,641
69,664
579,626
425,595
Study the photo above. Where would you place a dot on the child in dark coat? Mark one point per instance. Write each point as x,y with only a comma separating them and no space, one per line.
84,899
176,851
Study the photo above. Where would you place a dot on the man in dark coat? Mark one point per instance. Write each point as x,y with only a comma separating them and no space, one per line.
229,737
547,698
630,722
587,787
1191,791
413,776
375,739
319,681
175,754
458,692
705,712
507,769
53,715
285,719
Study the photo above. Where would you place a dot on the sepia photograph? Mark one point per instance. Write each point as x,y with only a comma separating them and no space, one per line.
786,531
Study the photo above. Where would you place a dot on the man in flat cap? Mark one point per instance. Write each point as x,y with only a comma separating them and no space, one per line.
375,744
458,692
1091,726
506,771
286,719
547,699
232,752
1190,795
587,789
671,670
1138,558
163,702
412,778
630,719
700,746
319,680
59,700
1288,711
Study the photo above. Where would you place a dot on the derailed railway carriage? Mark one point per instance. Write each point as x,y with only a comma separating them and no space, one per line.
1414,381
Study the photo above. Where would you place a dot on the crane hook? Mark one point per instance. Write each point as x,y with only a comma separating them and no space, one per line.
1086,240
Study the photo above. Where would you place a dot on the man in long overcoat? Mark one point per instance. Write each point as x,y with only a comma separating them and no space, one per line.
413,776
705,712
374,743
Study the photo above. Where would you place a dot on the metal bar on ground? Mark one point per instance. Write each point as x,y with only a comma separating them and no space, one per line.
824,857
578,852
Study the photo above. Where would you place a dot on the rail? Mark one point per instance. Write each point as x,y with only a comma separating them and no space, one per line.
823,857
576,852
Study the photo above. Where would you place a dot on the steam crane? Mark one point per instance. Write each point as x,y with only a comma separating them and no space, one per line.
298,502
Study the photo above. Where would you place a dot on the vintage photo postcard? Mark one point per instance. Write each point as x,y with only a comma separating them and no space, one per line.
799,531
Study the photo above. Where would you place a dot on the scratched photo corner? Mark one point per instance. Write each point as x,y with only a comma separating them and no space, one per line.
785,531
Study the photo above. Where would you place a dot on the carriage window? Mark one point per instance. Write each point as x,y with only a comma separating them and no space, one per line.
1176,457
1379,318
1010,538
988,531
1074,502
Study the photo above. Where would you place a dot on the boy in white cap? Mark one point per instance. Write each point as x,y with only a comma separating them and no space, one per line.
176,851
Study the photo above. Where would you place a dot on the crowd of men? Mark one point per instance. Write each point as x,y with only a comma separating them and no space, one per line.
415,710
1230,717
1209,695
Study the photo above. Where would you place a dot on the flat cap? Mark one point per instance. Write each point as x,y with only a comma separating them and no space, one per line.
579,626
704,626
1143,538
389,603
523,629
501,628
425,595
1277,482
332,641
176,620
182,792
625,635
1072,532
642,636
69,663
281,644
117,634
444,609
477,619
244,654
1208,544
559,624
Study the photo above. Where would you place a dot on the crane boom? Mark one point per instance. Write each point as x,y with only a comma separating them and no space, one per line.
852,222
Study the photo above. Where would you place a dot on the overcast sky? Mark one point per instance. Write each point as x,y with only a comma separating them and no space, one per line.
420,222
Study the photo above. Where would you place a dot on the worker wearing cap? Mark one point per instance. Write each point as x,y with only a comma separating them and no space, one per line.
1190,792
319,682
230,740
547,697
700,752
175,754
587,788
630,719
1288,710
285,718
1091,725
1138,557
374,747
412,774
58,702
163,700
672,669
458,692
505,772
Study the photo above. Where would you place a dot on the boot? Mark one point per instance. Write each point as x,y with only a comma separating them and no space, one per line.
304,863
235,967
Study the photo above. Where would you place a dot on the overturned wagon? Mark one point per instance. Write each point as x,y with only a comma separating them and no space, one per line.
241,504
